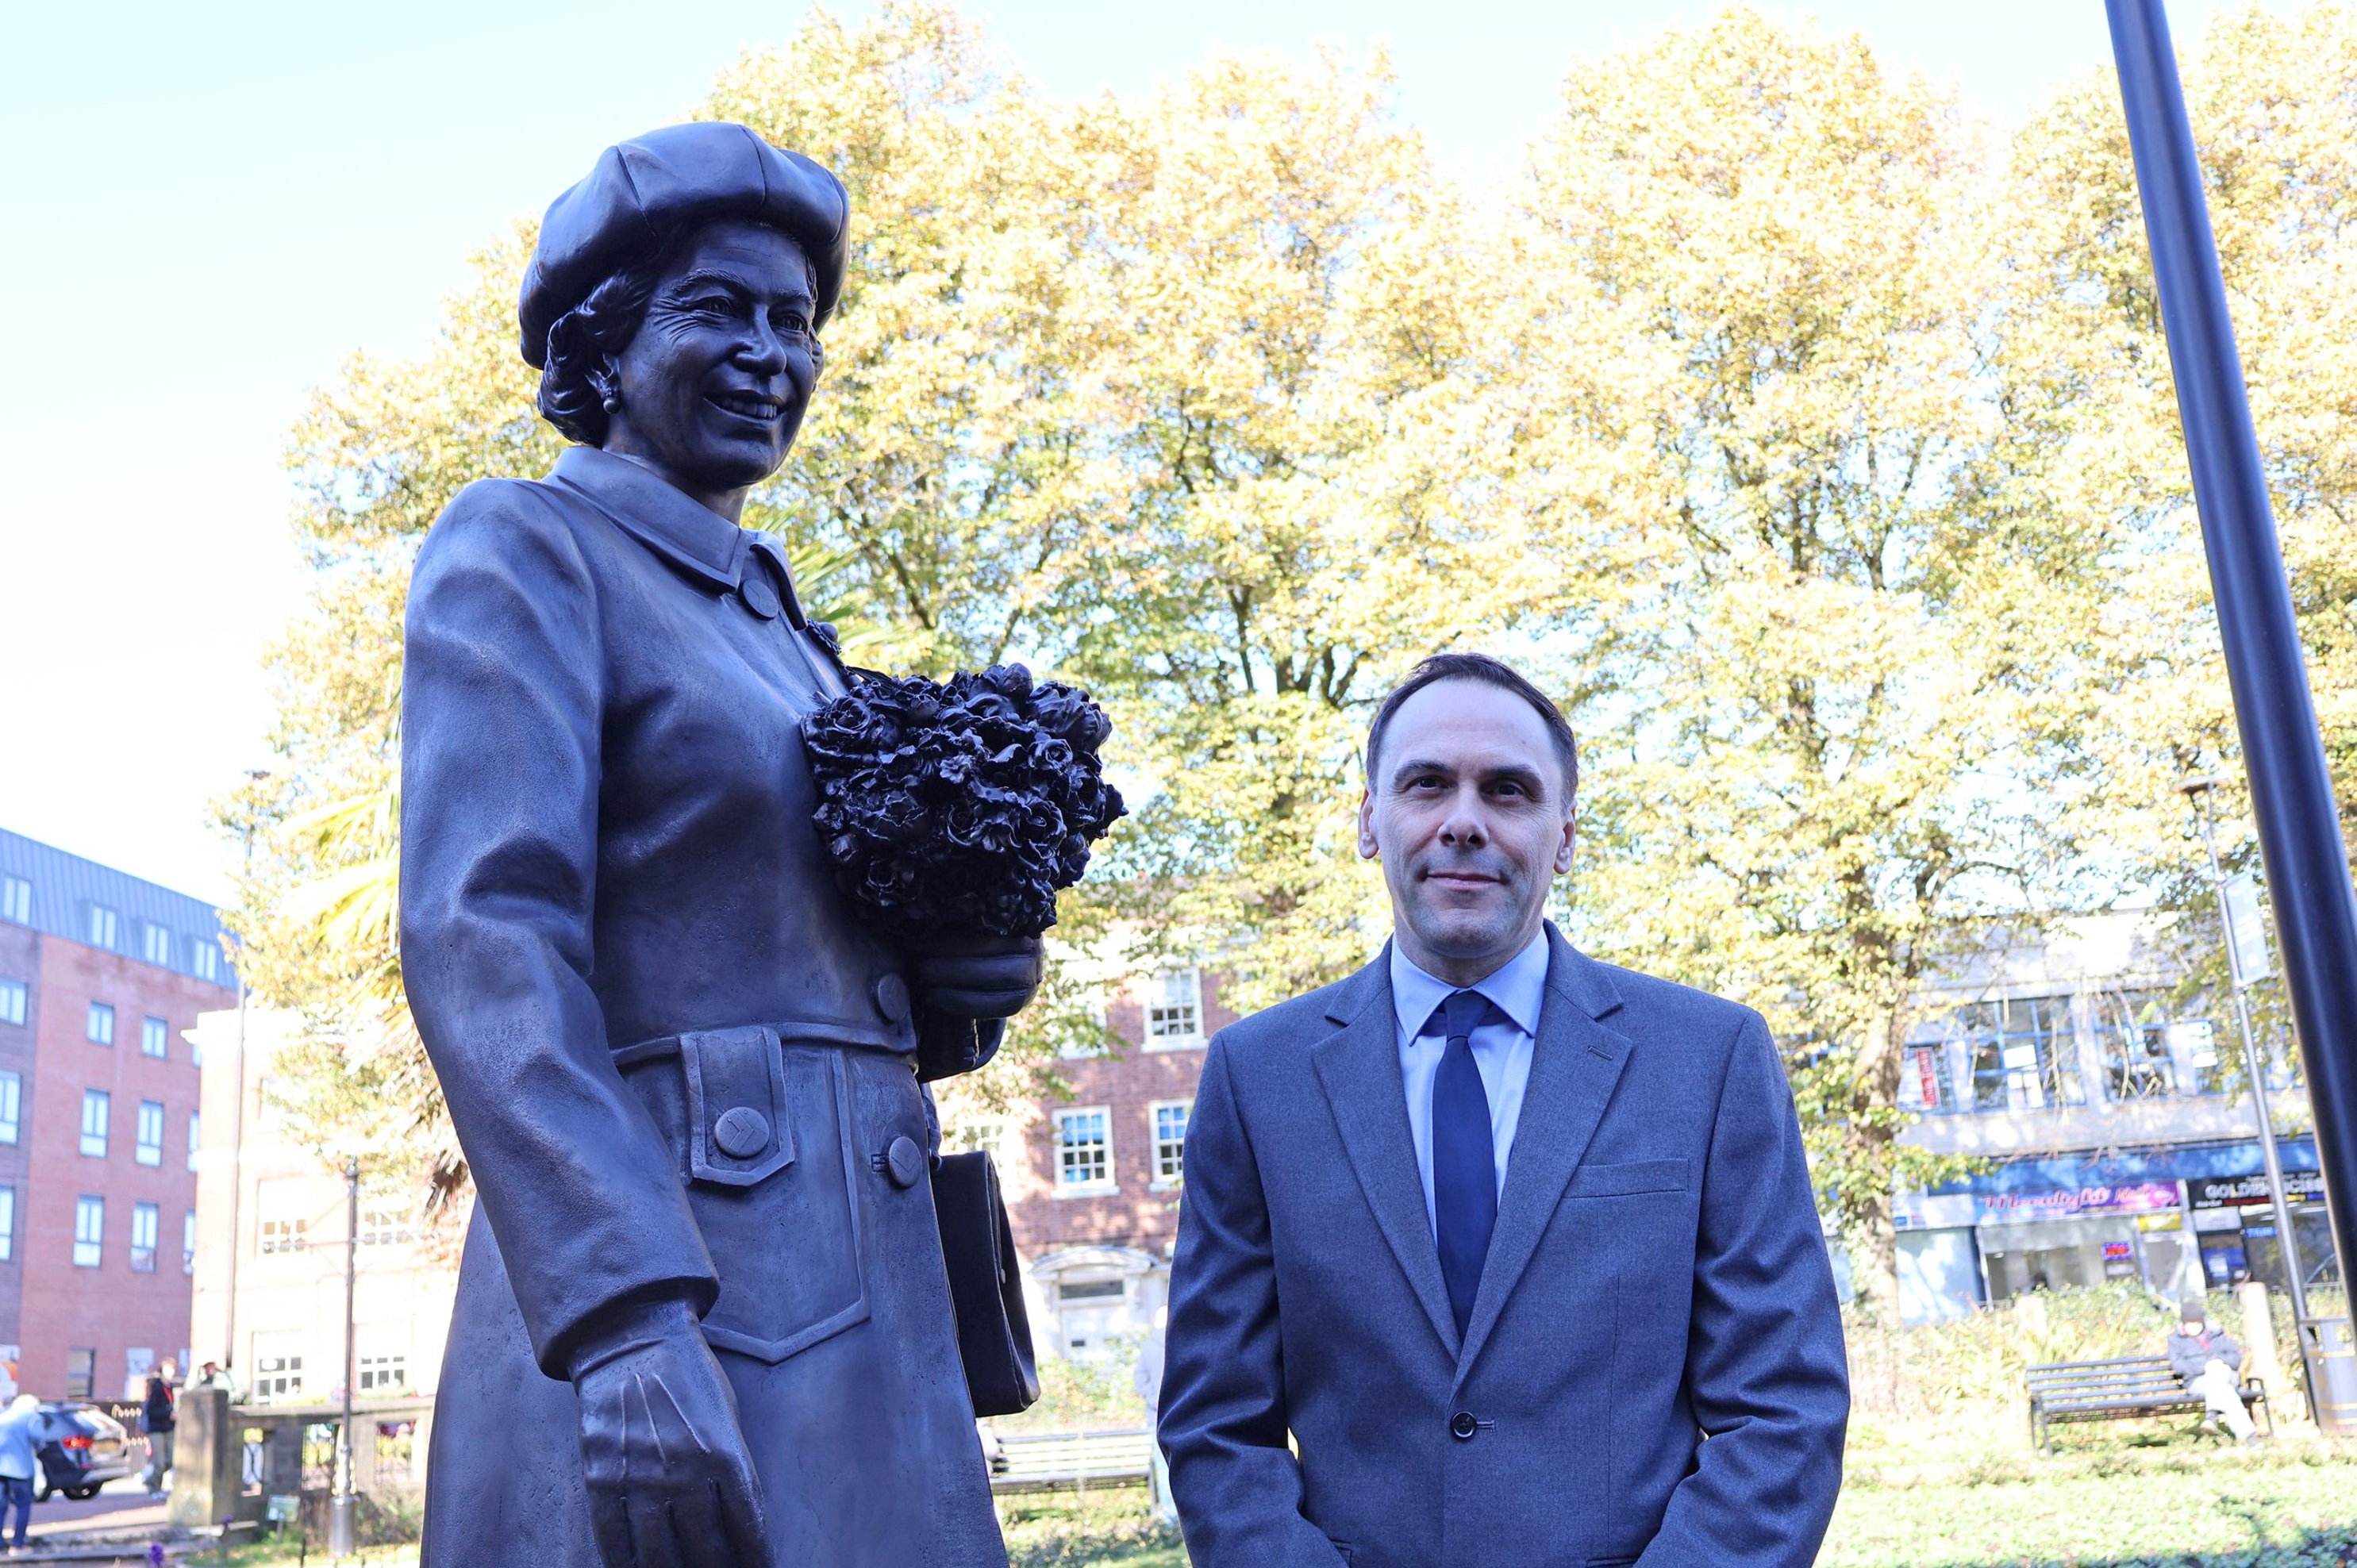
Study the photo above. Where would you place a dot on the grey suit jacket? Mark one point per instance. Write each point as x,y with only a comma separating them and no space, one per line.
1653,1371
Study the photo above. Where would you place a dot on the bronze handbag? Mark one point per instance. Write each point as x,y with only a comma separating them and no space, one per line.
994,1329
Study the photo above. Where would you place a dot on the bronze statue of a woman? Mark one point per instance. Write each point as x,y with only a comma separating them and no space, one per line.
702,1318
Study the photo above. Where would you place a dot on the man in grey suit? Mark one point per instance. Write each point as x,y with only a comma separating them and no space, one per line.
1518,1247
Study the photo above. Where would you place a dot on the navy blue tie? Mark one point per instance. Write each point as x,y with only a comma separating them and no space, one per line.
1464,1157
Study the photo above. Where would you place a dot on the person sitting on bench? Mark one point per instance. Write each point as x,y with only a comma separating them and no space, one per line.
2208,1362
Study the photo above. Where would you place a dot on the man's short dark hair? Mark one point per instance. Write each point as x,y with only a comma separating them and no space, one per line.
1491,673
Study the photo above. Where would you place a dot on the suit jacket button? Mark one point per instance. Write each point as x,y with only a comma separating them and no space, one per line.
904,1162
892,998
1461,1426
741,1132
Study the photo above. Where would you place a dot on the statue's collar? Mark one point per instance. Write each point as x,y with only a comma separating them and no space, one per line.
688,534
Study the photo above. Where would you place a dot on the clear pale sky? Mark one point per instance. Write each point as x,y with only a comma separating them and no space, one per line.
209,207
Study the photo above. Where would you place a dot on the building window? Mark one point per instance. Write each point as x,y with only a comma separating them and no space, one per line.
279,1204
101,926
147,1147
205,958
94,1108
193,1119
984,1134
155,1037
1084,1150
155,943
2132,1044
13,996
15,900
265,1104
384,1372
1174,1010
82,1371
2022,1054
145,1222
1170,1140
383,1224
100,1028
90,1231
189,1251
7,1223
278,1367
12,1099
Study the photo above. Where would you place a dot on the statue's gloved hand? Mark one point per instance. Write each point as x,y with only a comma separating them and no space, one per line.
671,1484
976,976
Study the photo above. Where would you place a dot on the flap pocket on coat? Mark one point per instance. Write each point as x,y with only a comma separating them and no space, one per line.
740,1130
1627,1181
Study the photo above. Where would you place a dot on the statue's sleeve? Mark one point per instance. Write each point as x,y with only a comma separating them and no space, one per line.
502,697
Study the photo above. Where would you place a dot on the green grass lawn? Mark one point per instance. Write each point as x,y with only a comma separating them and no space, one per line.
2181,1504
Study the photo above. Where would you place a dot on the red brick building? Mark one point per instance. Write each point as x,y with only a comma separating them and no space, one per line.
102,976
1092,1179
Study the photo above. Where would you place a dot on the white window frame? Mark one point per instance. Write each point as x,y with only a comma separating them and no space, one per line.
15,1001
277,1366
155,1037
189,1243
98,1024
1172,1009
204,958
99,1100
155,943
8,1222
1166,1180
12,1105
145,1150
90,1230
382,1371
16,900
1110,1181
147,1220
385,1223
194,1120
280,1226
105,929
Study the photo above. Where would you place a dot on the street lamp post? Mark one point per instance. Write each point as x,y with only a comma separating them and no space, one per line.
2201,790
340,1534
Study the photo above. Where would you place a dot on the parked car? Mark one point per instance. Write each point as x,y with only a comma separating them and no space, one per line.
83,1448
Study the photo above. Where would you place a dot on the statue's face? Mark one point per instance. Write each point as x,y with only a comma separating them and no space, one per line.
713,387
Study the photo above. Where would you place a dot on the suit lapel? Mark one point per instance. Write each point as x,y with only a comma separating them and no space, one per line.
1575,1064
1360,1069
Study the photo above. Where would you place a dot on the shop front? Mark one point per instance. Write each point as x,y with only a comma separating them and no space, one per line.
2175,1218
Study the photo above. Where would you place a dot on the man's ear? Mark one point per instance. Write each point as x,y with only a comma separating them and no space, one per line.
1563,851
1367,848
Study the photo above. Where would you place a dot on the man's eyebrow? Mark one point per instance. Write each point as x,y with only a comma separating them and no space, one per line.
1414,766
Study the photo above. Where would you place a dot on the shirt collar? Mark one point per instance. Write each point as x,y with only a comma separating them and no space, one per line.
1516,988
691,537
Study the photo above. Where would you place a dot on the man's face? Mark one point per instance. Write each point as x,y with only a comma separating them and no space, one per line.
714,384
1467,811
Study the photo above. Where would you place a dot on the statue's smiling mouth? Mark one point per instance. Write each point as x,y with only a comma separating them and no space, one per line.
747,405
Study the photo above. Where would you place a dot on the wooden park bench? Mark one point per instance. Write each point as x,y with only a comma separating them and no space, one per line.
2117,1389
1048,1460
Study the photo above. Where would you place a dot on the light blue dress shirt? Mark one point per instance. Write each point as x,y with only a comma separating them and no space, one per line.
1501,1047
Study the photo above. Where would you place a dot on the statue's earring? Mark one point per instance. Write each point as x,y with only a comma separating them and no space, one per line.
612,403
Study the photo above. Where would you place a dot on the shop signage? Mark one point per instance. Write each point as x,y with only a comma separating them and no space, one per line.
2073,1202
2230,1192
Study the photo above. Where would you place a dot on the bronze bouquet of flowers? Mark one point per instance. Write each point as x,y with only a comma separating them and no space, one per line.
960,805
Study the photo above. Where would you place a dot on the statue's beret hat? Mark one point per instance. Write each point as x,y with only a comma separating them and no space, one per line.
648,189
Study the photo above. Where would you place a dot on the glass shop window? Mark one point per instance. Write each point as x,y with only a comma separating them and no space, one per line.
2023,1054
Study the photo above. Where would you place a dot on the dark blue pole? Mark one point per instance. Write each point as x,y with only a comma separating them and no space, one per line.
2291,791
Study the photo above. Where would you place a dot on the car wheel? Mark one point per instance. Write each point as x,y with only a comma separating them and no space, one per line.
82,1494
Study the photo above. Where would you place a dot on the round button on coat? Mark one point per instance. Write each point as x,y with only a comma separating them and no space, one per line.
892,998
759,597
904,1162
1462,1425
741,1132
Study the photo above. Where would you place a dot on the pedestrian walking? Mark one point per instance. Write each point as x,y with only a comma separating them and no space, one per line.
22,1425
156,1419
